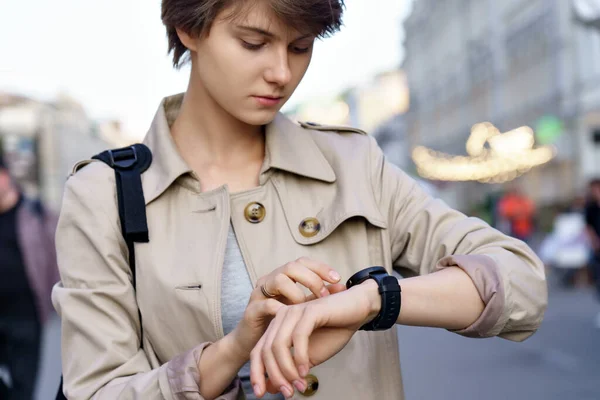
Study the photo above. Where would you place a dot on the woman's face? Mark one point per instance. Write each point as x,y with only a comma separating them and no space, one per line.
6,186
250,65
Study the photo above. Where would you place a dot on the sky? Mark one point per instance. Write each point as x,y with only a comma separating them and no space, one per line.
111,56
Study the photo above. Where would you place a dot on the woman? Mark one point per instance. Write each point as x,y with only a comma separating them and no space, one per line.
249,214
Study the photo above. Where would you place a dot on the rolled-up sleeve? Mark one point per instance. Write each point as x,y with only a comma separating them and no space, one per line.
426,235
102,356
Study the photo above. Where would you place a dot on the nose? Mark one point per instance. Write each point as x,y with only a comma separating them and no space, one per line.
279,71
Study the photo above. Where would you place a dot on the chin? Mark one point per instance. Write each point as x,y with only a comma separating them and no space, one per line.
258,117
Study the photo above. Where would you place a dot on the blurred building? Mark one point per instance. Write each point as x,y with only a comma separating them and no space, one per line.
512,63
41,141
586,108
377,107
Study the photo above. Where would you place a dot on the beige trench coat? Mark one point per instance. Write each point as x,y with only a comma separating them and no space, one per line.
370,213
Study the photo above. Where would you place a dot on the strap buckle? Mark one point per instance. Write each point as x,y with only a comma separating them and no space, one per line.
123,158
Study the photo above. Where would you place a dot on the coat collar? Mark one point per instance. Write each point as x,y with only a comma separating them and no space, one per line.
289,148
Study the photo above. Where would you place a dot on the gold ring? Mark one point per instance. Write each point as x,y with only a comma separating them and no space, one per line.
266,293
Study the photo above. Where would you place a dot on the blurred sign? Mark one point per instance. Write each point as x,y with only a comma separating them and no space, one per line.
548,129
507,156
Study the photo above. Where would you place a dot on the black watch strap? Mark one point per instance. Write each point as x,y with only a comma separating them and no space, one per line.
390,293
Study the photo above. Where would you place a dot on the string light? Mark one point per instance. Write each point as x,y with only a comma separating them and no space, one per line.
506,156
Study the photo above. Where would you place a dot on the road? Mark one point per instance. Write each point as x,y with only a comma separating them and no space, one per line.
561,361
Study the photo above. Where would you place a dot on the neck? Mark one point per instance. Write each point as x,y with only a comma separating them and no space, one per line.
9,200
205,131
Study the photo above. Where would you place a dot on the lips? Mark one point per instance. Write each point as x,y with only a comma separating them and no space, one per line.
268,101
270,97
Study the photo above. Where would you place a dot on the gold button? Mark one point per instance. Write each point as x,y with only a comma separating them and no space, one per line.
309,227
255,212
312,385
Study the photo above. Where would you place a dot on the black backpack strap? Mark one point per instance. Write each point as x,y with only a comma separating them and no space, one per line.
60,395
129,163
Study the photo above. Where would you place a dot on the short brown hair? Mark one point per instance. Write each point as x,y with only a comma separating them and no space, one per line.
319,17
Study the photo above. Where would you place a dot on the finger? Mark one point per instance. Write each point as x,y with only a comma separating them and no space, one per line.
257,369
300,273
284,286
337,288
324,271
300,339
271,387
282,348
333,289
268,358
271,307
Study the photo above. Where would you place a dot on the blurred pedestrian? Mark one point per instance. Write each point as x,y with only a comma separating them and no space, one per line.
28,266
592,219
517,210
567,249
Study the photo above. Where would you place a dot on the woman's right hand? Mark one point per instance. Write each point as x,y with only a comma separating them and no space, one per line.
282,284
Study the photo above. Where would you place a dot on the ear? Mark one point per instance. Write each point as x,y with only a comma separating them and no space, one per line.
188,41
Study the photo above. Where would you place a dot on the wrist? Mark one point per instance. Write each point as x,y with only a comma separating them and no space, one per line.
370,293
234,350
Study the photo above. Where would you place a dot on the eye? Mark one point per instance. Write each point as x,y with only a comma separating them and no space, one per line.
300,49
252,46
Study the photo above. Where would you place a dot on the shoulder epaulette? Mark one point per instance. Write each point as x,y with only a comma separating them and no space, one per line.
80,165
332,128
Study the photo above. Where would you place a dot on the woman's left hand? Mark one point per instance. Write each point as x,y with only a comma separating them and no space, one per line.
316,330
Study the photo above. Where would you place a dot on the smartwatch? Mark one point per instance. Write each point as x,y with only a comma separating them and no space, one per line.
389,289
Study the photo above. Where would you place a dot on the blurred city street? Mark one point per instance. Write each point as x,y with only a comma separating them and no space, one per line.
561,361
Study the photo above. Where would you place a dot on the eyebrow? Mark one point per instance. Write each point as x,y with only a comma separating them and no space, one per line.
266,33
256,30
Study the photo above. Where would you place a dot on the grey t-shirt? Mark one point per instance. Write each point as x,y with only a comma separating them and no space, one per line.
236,288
